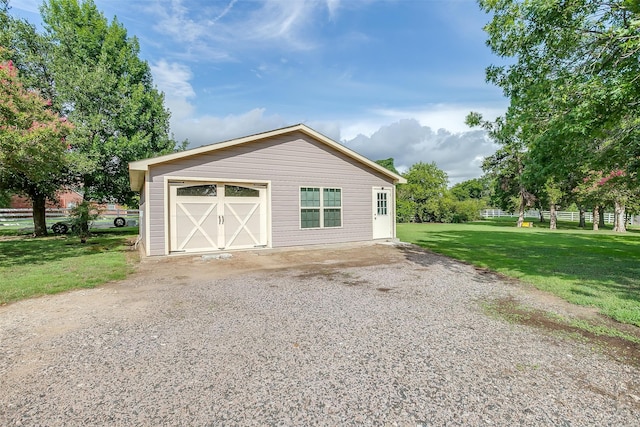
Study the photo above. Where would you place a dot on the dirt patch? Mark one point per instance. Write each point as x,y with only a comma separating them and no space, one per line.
323,261
624,349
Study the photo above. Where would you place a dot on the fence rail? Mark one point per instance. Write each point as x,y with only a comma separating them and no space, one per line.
562,215
60,212
23,217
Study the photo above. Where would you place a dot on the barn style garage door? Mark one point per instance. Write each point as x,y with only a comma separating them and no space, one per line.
215,216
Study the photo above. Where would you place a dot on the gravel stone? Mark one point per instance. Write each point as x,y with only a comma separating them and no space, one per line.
348,335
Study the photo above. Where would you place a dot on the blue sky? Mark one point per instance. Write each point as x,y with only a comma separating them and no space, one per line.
388,78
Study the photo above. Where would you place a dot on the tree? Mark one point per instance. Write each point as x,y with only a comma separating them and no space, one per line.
29,53
107,92
425,193
476,188
572,81
388,164
5,198
32,144
506,166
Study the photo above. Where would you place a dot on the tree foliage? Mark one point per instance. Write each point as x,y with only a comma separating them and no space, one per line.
107,91
572,81
388,164
424,192
87,70
32,143
476,188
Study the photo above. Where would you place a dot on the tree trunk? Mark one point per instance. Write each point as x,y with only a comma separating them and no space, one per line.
596,218
520,211
39,215
553,217
541,215
601,217
582,222
620,217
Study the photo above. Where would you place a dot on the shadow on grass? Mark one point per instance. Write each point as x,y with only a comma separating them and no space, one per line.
32,251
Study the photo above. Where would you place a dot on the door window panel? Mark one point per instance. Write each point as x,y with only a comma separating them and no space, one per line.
207,190
382,204
237,191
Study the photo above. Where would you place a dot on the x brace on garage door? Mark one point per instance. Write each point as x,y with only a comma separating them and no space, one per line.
214,216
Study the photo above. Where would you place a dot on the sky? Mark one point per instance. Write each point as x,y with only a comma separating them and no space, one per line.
387,78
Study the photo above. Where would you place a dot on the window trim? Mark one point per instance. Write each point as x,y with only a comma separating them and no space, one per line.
321,208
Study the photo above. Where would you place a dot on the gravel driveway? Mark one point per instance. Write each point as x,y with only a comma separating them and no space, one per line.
350,335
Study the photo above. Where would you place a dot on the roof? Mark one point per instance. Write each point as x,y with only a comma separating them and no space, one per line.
138,168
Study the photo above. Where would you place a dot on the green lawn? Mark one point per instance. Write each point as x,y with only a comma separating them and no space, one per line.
31,267
600,269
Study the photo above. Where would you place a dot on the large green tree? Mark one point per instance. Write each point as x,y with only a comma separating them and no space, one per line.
32,144
107,91
572,82
424,196
506,167
30,55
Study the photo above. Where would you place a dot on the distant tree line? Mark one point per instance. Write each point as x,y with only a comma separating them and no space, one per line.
426,196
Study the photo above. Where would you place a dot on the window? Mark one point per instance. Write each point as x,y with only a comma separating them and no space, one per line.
382,203
320,207
208,190
237,191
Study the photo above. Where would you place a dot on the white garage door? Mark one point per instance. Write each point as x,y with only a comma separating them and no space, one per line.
215,216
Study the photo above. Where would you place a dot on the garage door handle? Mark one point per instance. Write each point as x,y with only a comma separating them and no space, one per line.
220,219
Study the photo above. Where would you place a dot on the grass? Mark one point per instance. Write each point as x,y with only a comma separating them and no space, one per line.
600,269
31,267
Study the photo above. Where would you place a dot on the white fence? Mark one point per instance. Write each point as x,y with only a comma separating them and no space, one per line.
562,215
19,217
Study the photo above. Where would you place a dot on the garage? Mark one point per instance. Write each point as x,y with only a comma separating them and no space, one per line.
215,216
287,187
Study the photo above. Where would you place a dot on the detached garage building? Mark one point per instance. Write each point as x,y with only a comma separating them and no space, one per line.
287,187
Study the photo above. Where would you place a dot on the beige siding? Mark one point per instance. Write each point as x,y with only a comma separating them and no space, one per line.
288,162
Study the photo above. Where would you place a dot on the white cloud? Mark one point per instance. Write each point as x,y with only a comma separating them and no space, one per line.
215,31
438,116
206,129
408,141
173,79
441,116
332,6
225,11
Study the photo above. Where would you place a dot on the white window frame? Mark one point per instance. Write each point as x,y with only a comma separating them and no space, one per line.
322,207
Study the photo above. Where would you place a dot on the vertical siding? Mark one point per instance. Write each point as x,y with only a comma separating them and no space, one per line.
142,217
289,162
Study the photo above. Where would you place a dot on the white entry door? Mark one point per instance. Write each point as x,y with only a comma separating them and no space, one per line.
382,213
215,216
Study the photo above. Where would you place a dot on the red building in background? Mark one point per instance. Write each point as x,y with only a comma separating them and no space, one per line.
66,200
